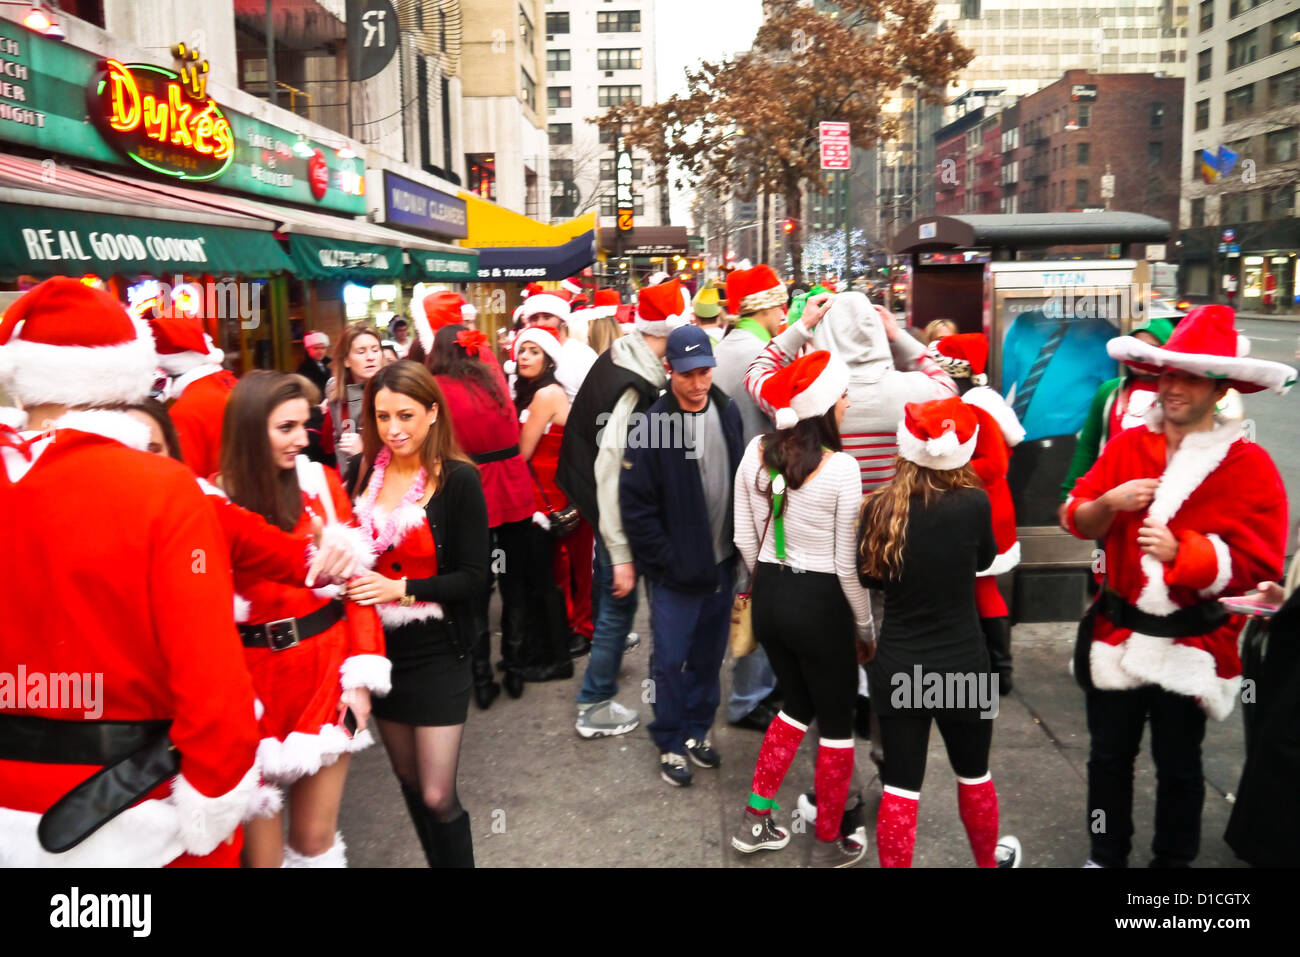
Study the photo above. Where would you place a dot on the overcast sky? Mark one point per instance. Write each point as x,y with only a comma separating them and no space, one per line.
689,31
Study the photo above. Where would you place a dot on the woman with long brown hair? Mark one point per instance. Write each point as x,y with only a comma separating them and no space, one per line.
921,540
797,496
314,659
359,356
423,508
487,428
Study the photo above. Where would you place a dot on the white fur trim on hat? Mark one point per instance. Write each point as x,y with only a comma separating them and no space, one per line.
664,327
544,302
982,397
540,338
822,393
36,373
178,363
944,452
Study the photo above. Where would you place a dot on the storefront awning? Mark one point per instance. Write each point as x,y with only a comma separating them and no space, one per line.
529,263
647,241
316,257
47,241
491,225
440,266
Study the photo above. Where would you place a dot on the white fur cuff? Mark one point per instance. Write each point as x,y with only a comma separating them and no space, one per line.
204,822
354,540
1224,573
374,672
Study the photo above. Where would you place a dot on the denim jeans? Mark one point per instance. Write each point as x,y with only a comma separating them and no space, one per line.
614,617
752,680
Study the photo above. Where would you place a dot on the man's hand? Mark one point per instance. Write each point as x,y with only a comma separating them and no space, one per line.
350,443
1156,540
1131,496
814,309
624,580
334,561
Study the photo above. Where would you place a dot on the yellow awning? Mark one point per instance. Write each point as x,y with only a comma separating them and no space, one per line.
492,225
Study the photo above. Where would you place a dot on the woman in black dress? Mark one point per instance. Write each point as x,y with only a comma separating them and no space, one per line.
921,539
423,506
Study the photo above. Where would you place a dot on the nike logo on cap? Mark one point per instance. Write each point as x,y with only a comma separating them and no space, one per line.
696,346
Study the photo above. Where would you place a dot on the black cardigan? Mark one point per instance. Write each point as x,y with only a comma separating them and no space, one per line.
457,515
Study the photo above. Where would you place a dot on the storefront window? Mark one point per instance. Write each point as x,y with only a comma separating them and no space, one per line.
482,174
1252,278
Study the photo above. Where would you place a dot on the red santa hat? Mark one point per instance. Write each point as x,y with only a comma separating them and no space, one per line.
963,356
661,309
545,339
69,344
806,388
606,303
749,290
315,338
570,289
545,302
939,434
531,290
182,344
1206,344
433,312
468,312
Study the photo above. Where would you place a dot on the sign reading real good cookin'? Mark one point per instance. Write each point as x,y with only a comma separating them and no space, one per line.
414,205
70,102
44,245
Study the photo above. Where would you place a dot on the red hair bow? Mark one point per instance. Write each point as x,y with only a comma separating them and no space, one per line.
471,340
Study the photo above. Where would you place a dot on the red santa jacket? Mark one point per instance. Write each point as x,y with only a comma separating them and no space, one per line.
198,415
1223,499
999,430
118,572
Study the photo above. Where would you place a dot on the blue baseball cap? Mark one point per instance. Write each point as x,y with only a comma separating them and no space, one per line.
689,347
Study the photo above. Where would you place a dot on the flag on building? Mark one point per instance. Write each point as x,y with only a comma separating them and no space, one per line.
1216,163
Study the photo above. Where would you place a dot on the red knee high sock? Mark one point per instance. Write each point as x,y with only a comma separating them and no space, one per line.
977,801
779,746
895,827
831,783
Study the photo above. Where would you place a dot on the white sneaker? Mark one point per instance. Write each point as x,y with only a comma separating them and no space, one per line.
633,642
1007,853
605,719
1090,863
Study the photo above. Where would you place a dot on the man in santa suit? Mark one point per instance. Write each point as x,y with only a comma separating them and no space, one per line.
1191,511
119,571
199,387
965,357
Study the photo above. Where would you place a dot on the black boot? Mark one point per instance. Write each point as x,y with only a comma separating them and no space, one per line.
997,636
423,821
454,842
556,662
485,689
513,629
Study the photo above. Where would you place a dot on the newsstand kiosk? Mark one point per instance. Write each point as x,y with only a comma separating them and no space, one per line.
1047,321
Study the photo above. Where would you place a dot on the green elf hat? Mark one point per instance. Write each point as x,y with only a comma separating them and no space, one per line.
800,301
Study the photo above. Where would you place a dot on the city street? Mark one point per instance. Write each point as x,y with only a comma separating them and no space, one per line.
540,796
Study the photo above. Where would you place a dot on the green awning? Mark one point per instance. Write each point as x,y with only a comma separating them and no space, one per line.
44,241
315,257
438,266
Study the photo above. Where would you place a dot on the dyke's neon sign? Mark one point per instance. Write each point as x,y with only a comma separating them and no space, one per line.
162,119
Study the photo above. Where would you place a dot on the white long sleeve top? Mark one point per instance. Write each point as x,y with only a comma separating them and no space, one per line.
820,524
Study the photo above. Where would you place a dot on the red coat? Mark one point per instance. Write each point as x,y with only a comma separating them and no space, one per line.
300,687
117,569
198,415
999,430
1223,499
482,426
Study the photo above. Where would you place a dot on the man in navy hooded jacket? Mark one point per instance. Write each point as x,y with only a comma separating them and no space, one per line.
675,495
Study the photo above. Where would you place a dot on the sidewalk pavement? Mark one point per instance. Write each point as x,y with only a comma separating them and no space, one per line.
540,796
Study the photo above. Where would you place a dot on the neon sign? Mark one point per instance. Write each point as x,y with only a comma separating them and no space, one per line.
163,119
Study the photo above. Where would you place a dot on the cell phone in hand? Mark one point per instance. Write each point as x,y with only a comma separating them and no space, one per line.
349,722
1241,605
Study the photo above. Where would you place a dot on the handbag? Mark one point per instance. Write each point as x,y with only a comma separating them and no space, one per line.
560,524
741,639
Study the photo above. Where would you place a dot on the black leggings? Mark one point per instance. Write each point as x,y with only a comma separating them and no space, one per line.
906,737
805,625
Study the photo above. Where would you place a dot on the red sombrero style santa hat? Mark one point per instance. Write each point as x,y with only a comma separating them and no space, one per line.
1205,344
68,344
939,434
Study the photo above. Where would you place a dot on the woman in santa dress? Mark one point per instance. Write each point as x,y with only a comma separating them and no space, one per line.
314,659
543,408
424,509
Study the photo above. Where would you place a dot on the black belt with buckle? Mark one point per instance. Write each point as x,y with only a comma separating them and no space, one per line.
1187,622
287,632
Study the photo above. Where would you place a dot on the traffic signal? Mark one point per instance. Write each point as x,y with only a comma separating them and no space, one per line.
788,226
